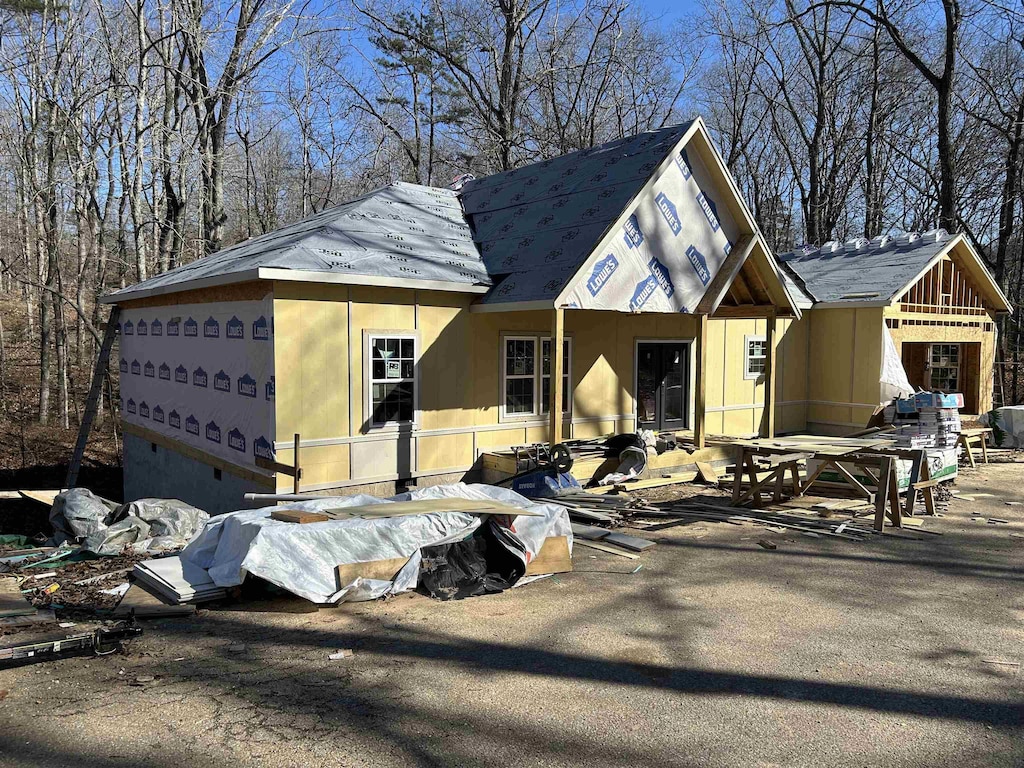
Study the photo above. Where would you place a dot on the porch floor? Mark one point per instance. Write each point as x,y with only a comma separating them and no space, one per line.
719,450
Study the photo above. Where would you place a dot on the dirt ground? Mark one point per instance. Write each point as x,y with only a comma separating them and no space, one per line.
718,652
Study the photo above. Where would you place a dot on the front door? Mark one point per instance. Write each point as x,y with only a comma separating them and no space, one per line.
663,385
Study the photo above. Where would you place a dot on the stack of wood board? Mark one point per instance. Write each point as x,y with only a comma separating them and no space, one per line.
177,581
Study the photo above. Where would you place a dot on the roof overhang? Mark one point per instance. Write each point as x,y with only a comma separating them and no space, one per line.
292,275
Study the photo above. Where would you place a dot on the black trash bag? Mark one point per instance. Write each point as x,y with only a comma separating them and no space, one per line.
616,444
479,565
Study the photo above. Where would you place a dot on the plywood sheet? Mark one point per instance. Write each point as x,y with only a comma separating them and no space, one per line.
382,570
426,506
553,557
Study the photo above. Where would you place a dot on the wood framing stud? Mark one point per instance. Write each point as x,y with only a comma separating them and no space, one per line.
770,394
700,396
557,365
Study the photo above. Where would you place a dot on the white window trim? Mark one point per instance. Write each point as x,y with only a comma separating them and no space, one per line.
538,340
369,336
747,373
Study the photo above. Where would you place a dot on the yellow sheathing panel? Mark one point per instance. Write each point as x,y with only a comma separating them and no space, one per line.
717,355
831,361
287,368
310,360
444,452
594,376
445,369
320,464
867,356
791,369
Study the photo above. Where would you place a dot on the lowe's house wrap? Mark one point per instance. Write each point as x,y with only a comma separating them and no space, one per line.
667,250
202,374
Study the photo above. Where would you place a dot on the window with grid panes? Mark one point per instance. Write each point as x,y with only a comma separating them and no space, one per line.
392,380
520,376
755,357
945,367
526,379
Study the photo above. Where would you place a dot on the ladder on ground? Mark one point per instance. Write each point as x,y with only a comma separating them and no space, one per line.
99,375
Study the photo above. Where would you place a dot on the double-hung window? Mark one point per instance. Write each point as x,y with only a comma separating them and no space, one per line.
755,357
526,376
392,380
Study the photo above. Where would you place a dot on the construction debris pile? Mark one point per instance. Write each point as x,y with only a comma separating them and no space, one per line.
334,549
104,527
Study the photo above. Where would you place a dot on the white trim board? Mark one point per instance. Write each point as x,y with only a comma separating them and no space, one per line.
379,435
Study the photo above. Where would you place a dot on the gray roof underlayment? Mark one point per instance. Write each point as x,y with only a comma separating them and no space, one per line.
860,270
401,231
516,237
537,225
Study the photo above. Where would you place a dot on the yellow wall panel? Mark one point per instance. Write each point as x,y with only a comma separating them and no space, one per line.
867,355
438,452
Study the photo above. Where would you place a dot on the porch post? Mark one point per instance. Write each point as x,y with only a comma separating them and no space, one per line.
770,394
557,366
700,400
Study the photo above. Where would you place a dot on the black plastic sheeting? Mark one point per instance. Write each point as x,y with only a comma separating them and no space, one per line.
479,565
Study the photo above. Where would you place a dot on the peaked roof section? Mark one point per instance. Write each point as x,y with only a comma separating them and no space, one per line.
402,234
537,225
876,271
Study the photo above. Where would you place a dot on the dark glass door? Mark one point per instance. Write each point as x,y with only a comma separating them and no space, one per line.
663,386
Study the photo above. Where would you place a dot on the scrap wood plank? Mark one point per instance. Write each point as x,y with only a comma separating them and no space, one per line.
43,497
427,506
12,602
554,557
656,482
382,570
707,472
590,532
609,549
633,543
299,516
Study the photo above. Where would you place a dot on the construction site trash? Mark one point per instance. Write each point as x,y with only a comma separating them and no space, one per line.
304,559
103,527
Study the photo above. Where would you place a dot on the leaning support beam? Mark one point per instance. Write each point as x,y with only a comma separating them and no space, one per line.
557,367
700,396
